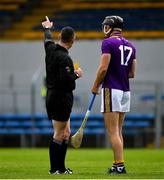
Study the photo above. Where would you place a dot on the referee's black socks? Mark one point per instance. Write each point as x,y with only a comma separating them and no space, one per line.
64,151
57,153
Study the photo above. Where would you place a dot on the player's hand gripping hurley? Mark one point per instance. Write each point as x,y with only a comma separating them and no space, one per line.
76,139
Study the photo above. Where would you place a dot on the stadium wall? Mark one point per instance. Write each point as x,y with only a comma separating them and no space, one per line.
20,60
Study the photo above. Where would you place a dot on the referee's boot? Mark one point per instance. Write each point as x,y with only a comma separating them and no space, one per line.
66,171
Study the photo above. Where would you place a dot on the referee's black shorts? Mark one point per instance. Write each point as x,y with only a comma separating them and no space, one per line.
59,104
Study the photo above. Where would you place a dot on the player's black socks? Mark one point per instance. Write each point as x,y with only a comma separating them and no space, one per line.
64,151
116,164
117,168
55,154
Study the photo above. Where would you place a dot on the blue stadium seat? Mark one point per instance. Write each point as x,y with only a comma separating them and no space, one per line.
91,19
149,97
21,124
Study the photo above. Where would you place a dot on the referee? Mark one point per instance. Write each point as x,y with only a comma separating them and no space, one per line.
60,79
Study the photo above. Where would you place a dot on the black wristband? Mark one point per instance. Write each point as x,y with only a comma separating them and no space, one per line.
76,76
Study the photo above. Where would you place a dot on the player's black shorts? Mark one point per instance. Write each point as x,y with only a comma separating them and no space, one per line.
59,105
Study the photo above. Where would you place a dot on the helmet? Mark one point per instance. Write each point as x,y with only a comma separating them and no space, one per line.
113,21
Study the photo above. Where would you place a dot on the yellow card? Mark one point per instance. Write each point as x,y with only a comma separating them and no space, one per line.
76,66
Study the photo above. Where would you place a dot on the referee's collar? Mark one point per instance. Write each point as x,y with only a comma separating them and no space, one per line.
58,46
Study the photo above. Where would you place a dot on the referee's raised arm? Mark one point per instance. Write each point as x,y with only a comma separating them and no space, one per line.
47,25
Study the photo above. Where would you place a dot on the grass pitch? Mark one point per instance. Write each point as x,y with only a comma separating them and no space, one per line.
86,164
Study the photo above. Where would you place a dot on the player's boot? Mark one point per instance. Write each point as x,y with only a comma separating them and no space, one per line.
117,170
112,170
121,170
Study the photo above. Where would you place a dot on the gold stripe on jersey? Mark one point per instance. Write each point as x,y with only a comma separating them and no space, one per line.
115,36
107,100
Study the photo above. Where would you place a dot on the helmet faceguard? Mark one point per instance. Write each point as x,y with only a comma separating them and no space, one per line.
112,22
106,29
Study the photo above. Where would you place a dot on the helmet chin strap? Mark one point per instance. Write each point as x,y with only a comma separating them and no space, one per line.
107,33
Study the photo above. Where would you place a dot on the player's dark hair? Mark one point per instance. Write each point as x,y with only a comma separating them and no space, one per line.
67,34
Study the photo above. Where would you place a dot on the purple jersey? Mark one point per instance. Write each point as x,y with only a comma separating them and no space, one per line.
122,55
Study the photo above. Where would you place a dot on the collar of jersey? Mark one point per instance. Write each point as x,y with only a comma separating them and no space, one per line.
116,35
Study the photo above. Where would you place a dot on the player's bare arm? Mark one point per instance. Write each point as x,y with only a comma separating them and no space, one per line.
101,72
132,71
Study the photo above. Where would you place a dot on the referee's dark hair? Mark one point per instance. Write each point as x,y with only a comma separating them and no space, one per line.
67,34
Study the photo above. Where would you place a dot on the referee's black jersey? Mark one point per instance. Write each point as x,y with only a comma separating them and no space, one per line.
59,68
